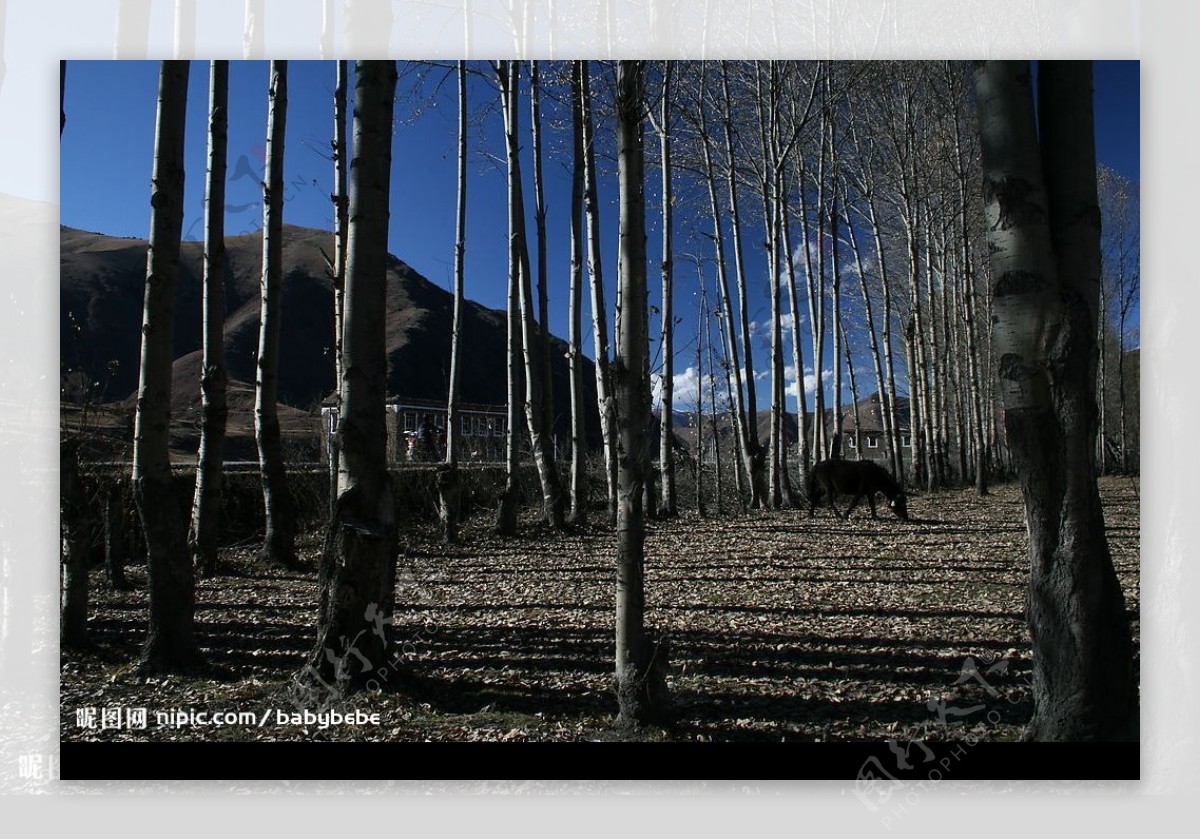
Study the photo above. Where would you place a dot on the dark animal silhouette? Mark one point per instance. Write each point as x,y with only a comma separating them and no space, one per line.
857,479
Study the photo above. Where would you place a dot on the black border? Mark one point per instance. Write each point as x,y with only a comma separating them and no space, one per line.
340,760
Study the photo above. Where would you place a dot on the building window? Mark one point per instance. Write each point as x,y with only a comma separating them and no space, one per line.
872,443
410,421
906,441
850,442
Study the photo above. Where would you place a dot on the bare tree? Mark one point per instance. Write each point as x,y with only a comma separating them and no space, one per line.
543,298
449,481
279,540
540,440
1120,256
1044,242
640,660
666,447
171,642
337,265
579,490
206,504
506,514
358,567
604,376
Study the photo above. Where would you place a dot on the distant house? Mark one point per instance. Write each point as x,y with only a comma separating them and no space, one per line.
869,434
870,431
416,430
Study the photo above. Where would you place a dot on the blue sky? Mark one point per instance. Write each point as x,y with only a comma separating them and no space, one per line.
108,144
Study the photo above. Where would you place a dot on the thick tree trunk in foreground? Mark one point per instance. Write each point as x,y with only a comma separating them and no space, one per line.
171,642
279,540
206,504
640,660
358,568
1044,289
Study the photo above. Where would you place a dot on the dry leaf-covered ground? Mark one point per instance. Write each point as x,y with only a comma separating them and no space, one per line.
780,627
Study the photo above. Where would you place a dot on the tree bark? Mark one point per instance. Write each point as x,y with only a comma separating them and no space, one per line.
1044,243
506,515
76,534
279,541
546,372
341,207
640,659
666,446
358,567
116,547
604,387
206,504
540,441
803,451
170,643
745,449
449,480
756,461
579,489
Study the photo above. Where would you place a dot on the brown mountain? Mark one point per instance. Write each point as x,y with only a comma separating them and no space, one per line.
102,280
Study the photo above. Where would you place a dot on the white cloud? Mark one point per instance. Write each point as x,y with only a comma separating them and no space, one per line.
685,387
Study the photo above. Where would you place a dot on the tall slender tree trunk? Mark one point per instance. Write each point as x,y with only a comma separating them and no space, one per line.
1045,288
640,659
539,215
712,408
1102,386
745,448
579,488
885,285
357,574
756,461
666,446
279,541
506,516
206,504
853,394
1122,398
341,205
885,413
974,372
735,420
171,642
835,281
699,461
604,375
815,277
449,481
802,443
540,442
